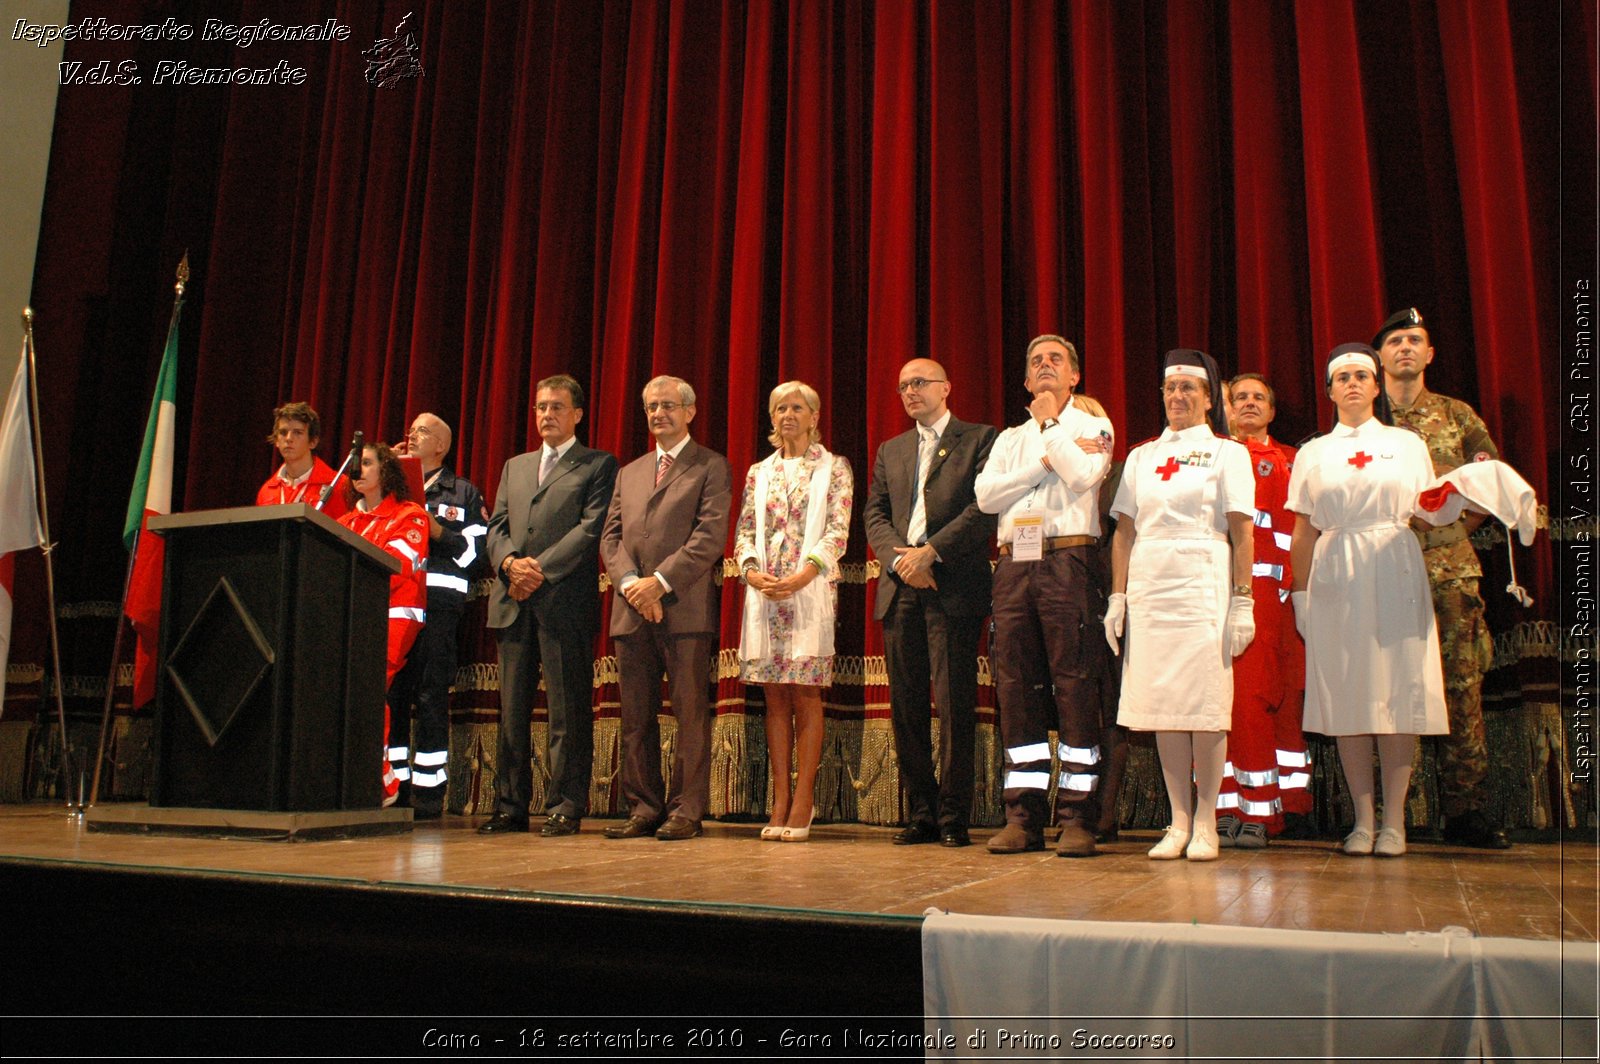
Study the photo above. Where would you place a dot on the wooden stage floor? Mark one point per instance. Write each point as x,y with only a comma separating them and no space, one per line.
1534,891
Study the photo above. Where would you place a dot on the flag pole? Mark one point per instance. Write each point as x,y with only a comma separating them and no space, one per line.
127,582
74,796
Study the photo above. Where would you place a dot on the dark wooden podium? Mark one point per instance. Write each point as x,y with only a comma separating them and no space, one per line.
270,689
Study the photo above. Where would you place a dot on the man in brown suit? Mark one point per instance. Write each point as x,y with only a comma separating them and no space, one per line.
663,538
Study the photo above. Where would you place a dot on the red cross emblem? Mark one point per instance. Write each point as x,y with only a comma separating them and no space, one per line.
1361,459
1167,470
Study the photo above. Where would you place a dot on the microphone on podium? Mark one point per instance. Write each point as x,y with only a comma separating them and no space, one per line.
351,460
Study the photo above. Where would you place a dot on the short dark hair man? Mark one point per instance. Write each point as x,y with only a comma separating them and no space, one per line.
296,431
1268,774
1455,435
544,608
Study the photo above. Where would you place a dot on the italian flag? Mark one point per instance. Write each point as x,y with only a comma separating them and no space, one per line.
19,501
152,494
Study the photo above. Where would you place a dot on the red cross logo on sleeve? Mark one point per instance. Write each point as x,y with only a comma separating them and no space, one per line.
1361,459
1167,470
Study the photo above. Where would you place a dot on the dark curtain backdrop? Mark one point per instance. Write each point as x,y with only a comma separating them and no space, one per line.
743,193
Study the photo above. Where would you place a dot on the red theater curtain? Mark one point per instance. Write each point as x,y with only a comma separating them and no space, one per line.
743,193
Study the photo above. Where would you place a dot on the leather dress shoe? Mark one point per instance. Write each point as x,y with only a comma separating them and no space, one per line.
635,827
677,828
954,836
501,823
915,835
558,824
1474,829
1014,838
420,812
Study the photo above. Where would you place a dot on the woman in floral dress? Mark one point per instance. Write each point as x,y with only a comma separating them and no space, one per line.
791,534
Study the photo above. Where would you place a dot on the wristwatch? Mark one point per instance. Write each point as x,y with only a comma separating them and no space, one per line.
1243,591
1049,423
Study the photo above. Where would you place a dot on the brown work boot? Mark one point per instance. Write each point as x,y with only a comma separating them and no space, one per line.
1075,841
1014,838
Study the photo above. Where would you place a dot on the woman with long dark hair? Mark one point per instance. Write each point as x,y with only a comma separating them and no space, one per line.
382,513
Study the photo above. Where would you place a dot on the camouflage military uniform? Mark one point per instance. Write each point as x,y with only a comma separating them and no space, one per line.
1456,435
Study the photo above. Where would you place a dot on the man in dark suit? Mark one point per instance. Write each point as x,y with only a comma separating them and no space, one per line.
545,608
664,537
932,543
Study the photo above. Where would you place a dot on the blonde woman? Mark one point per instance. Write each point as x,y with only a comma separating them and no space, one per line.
792,531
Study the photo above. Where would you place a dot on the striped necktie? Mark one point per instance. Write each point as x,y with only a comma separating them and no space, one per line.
663,464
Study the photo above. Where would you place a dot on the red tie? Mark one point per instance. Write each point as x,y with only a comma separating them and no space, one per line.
664,464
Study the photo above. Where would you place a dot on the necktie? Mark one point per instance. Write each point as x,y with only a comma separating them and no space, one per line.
662,465
917,527
546,465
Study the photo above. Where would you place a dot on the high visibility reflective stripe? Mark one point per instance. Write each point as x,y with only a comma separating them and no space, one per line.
1079,781
1282,539
402,773
1227,770
473,533
1294,781
1026,781
1021,755
407,613
398,753
1078,755
1228,801
405,548
428,779
429,758
1263,519
1283,594
1250,808
1267,569
455,583
1263,778
1293,759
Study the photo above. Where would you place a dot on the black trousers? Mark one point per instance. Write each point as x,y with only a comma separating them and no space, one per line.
424,682
924,645
564,652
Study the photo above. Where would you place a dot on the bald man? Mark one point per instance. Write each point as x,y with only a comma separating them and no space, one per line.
932,544
457,522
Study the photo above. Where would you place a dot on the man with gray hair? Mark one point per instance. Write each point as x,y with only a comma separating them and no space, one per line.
663,539
1042,481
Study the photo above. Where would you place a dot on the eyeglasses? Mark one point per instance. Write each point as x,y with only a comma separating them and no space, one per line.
917,384
418,430
661,408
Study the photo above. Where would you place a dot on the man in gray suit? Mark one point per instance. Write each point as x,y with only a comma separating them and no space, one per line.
932,544
664,537
545,608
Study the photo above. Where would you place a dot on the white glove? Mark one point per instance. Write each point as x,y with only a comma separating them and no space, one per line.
1116,611
1241,624
1302,605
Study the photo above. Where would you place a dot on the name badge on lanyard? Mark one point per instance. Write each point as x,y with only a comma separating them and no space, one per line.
1027,536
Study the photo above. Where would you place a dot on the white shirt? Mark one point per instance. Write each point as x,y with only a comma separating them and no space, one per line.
1186,483
629,581
928,437
1015,479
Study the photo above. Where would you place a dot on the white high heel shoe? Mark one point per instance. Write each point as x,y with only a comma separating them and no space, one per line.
800,834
